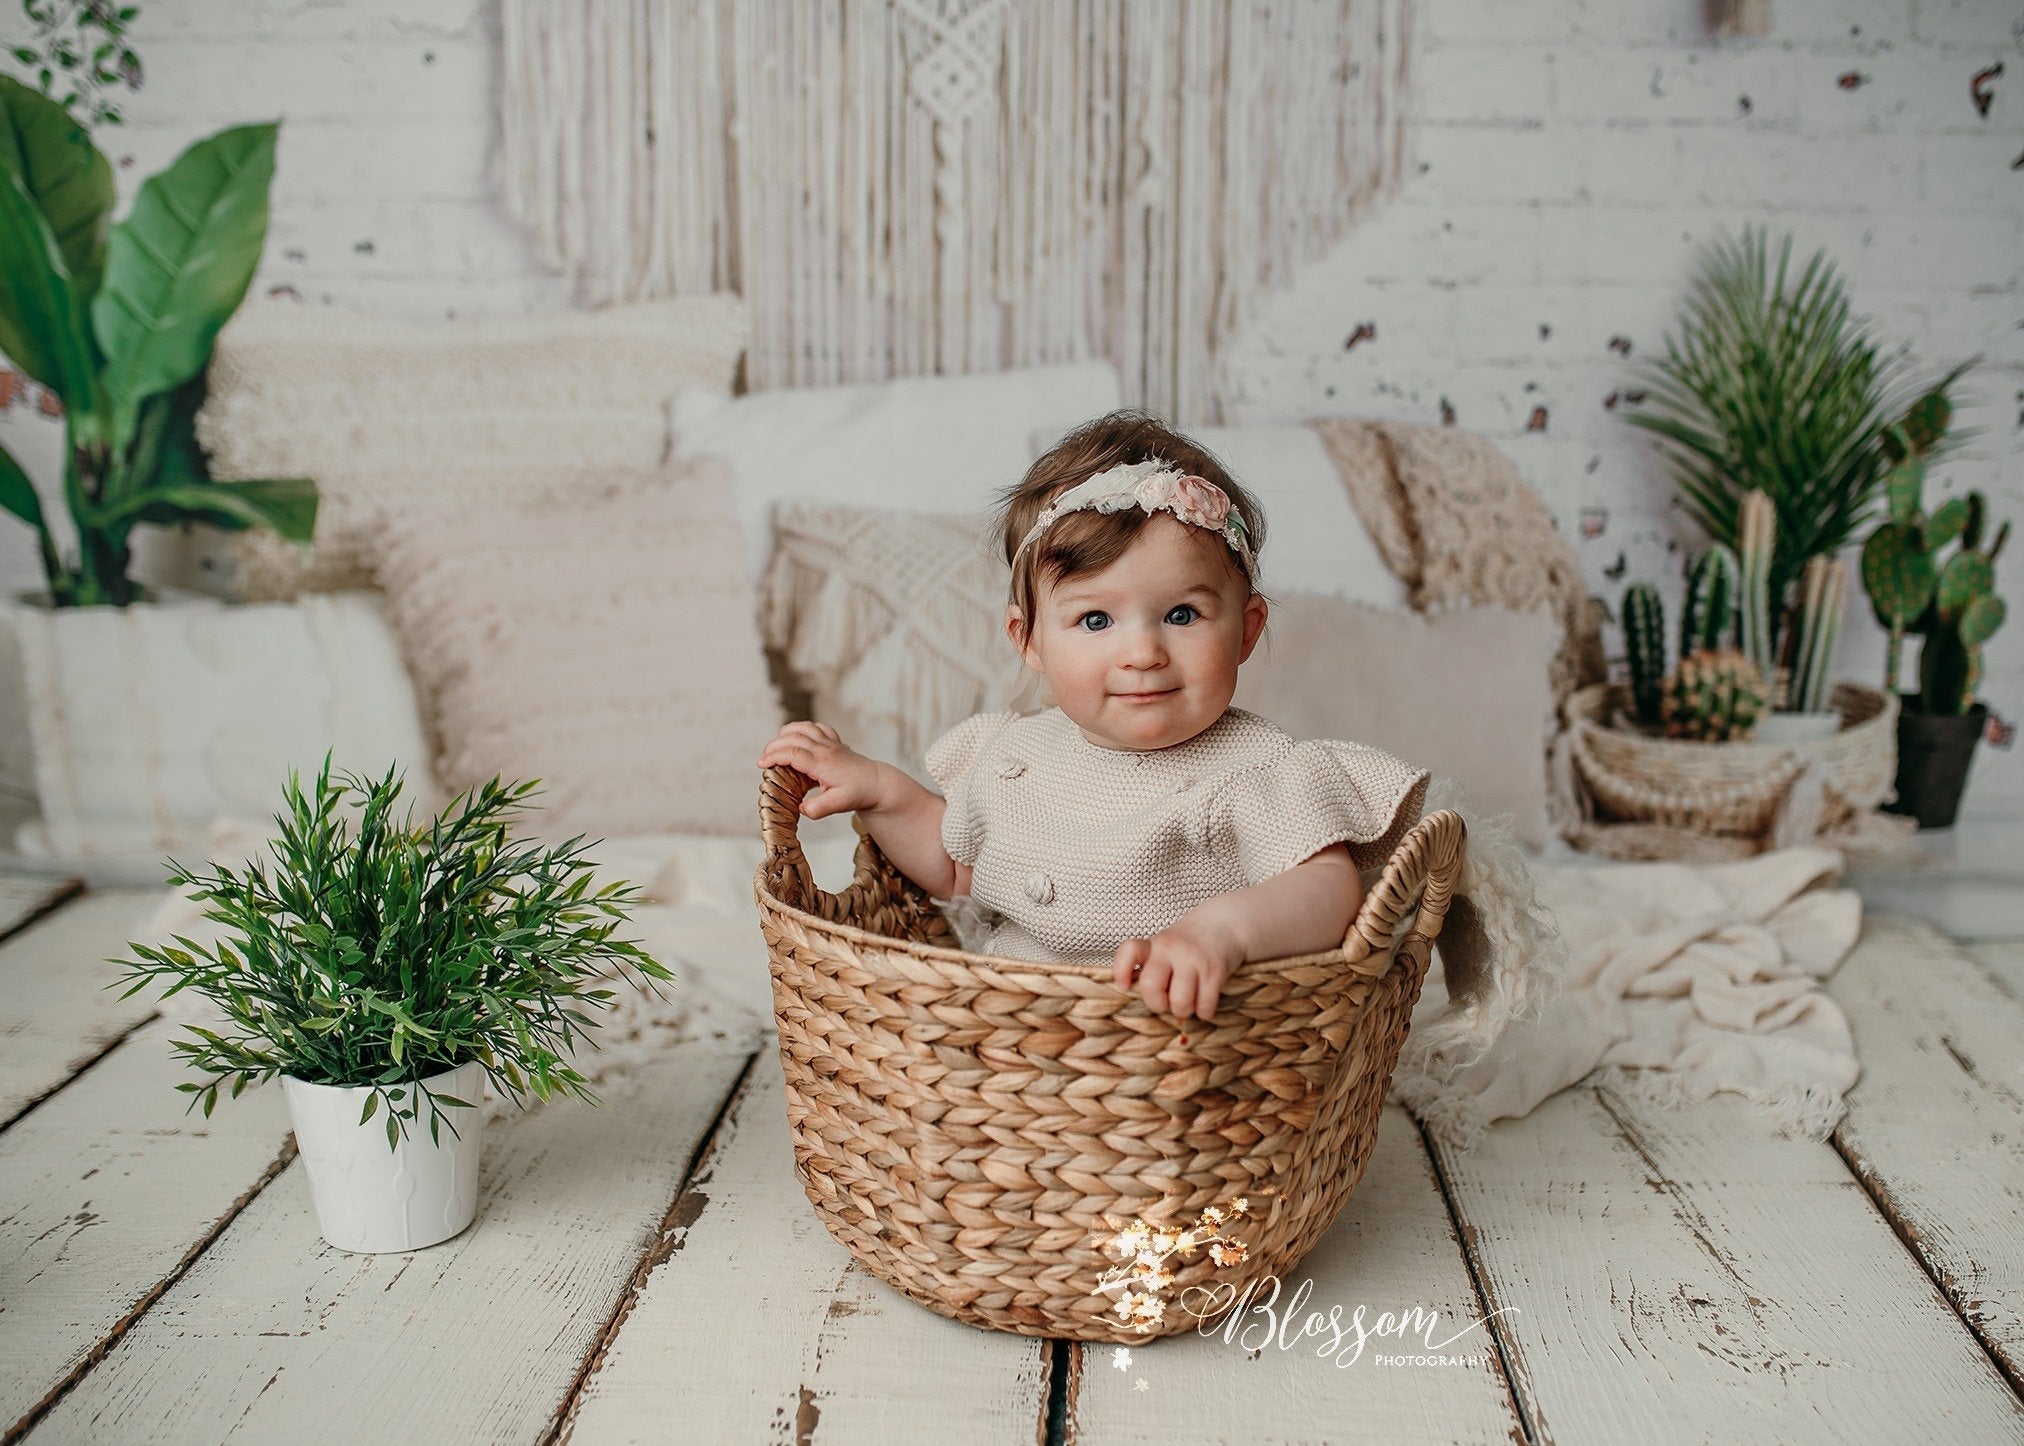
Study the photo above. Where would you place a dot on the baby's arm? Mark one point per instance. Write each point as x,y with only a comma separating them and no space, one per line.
1305,910
904,818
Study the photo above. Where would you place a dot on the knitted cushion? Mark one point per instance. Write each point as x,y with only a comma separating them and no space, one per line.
892,621
385,413
605,646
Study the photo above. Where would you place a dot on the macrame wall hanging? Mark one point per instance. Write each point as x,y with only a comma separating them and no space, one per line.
909,186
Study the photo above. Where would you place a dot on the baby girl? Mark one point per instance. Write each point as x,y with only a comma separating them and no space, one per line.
1142,820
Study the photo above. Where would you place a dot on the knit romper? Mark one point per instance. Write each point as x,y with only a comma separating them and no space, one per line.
1077,847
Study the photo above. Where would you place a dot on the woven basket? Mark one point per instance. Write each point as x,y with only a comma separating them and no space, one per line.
975,1129
1728,788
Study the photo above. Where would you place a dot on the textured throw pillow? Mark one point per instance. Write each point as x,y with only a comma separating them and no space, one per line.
606,647
387,414
891,621
1314,540
1465,694
927,444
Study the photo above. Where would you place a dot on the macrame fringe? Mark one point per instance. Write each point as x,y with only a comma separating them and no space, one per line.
910,186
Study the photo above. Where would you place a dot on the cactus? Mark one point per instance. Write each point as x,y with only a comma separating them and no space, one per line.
1710,613
1757,535
1951,603
1644,635
1822,591
1714,696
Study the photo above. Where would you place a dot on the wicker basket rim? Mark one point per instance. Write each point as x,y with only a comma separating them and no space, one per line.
1584,707
1004,964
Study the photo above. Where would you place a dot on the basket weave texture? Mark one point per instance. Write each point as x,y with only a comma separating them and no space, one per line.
975,1130
1729,788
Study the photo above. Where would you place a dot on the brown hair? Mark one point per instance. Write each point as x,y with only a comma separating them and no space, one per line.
1085,542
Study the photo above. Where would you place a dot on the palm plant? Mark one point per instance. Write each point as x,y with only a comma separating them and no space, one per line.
1776,388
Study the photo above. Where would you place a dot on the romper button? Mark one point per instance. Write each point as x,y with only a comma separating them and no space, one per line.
1039,888
1011,768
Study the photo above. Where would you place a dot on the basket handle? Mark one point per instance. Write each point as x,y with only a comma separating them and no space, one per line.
879,899
1422,871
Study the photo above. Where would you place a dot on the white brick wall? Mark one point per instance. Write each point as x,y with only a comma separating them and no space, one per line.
1574,157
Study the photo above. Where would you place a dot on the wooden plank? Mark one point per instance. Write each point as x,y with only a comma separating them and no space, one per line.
758,1326
1694,1276
25,896
480,1338
1258,1378
107,1192
1935,1127
2004,959
56,1013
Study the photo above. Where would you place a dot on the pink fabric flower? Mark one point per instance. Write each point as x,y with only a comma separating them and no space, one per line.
1202,500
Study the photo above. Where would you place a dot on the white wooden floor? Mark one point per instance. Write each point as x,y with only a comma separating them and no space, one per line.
650,1270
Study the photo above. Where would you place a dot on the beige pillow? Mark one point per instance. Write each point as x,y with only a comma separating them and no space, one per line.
1465,694
605,646
386,414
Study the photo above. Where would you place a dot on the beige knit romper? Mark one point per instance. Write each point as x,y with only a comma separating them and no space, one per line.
1077,847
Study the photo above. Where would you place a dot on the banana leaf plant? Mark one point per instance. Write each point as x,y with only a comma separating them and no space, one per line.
118,322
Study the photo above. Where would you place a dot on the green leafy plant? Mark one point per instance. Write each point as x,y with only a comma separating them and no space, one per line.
81,45
386,956
1776,387
118,322
1950,601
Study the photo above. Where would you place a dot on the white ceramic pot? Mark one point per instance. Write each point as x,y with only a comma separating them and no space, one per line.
1780,729
371,1198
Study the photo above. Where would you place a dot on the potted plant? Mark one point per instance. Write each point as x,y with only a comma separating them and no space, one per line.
1775,390
117,323
1947,599
384,969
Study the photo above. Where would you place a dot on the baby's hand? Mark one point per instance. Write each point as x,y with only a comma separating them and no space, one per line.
1184,965
848,780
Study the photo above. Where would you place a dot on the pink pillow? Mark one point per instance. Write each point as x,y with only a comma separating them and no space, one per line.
606,646
1464,694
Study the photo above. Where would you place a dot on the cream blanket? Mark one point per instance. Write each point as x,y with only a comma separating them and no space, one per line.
1681,980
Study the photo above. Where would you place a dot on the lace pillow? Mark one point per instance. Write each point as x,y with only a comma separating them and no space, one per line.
387,414
606,647
892,622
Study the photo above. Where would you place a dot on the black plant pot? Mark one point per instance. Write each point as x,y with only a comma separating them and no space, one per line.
1934,750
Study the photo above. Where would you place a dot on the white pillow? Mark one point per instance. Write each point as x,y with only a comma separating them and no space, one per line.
1314,540
922,444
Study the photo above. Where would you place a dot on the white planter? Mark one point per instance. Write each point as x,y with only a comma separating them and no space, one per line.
150,721
369,1197
1780,729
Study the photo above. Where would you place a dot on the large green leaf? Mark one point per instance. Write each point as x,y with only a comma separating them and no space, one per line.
63,172
178,266
285,504
42,322
17,493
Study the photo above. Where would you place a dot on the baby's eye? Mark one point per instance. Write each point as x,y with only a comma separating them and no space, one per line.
1100,626
1187,608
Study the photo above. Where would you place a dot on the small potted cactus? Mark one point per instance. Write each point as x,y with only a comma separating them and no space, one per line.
1729,678
1949,601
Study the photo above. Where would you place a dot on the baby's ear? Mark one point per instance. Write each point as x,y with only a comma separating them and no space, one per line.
1256,610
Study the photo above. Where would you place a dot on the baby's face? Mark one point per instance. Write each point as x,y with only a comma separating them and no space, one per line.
1144,654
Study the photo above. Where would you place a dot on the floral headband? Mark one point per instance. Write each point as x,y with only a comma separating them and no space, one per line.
1153,486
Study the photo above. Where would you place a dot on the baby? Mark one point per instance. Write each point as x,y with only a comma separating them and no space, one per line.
1142,820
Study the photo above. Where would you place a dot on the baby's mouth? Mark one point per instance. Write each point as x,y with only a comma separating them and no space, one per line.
1147,697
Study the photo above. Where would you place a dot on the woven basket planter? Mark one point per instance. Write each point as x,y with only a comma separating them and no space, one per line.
975,1129
1732,789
